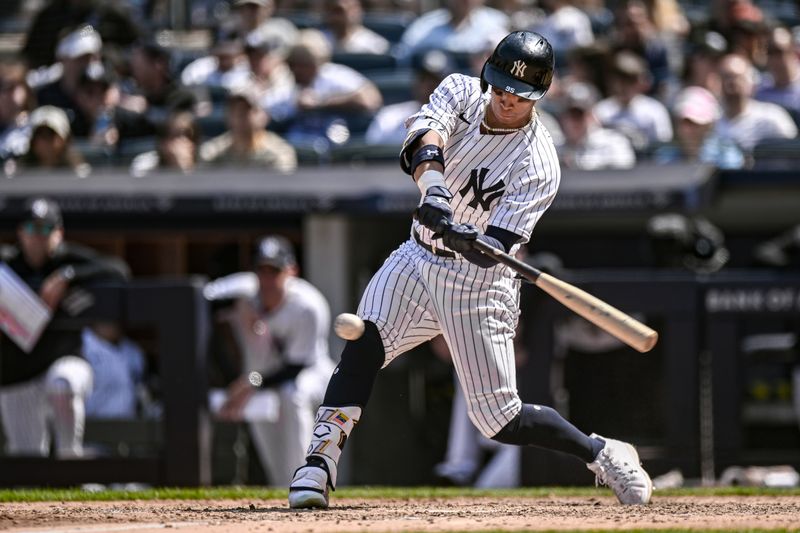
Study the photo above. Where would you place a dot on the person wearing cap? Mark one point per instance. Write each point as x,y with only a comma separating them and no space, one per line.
247,141
628,110
388,126
701,68
281,323
744,120
47,387
111,19
269,74
76,51
51,143
587,145
695,111
343,27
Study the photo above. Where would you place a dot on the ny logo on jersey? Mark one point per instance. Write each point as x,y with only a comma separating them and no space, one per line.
486,196
518,68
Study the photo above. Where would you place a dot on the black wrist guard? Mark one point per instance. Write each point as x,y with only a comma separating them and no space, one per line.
429,152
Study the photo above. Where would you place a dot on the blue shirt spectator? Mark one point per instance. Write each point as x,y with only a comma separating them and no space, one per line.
118,366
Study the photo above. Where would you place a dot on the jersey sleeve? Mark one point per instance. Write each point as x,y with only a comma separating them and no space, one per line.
441,112
531,191
303,346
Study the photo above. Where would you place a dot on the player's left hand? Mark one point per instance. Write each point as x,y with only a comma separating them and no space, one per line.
460,237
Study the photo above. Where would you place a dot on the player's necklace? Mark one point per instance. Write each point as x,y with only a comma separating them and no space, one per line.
490,129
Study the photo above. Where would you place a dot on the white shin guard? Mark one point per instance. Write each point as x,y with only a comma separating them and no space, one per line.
332,427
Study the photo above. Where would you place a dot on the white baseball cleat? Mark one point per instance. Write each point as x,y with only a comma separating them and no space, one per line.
617,465
309,488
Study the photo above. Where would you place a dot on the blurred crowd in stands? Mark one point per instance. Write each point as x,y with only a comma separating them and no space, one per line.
276,83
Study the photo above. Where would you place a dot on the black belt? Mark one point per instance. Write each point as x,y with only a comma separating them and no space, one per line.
433,249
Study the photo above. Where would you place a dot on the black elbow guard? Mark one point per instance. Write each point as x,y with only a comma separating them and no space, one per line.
408,151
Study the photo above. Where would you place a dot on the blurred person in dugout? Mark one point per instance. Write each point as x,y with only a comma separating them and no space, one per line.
42,393
247,141
281,324
177,142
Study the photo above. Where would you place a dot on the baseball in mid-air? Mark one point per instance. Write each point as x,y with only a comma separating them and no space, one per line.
348,326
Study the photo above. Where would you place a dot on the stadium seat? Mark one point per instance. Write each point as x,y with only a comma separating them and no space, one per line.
394,86
365,62
390,25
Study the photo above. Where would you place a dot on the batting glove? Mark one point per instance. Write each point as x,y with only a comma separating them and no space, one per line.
460,237
434,212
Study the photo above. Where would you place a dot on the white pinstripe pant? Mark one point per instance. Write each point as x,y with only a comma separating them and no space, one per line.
57,397
416,295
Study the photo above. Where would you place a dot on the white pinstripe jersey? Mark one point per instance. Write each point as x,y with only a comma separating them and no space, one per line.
507,181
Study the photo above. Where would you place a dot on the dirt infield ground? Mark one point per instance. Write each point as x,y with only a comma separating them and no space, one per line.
423,515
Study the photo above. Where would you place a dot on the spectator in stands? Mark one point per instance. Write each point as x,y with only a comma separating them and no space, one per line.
112,19
565,26
16,103
586,64
247,142
342,26
270,76
176,147
253,15
459,27
636,32
325,93
747,34
388,126
47,387
225,67
644,120
702,62
282,330
118,367
782,85
156,93
587,145
98,117
745,120
695,112
51,143
76,51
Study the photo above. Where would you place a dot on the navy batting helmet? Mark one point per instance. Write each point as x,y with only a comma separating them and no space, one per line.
521,64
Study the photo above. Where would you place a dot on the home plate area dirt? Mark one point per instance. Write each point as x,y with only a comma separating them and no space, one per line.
419,515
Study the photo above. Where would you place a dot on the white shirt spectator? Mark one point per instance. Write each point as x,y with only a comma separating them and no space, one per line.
759,121
645,120
566,28
433,30
205,71
603,148
118,368
361,41
388,126
332,80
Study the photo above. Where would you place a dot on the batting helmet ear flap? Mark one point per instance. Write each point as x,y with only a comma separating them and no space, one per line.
484,83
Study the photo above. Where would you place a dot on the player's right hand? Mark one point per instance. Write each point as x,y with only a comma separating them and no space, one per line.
461,237
434,212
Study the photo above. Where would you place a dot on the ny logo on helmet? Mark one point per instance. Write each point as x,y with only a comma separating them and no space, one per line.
518,68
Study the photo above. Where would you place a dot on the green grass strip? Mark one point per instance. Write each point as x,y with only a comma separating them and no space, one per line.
262,493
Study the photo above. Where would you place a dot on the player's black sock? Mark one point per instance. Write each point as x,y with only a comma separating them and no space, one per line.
351,383
539,425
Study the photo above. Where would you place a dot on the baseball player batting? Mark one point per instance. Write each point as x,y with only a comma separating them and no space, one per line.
487,170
